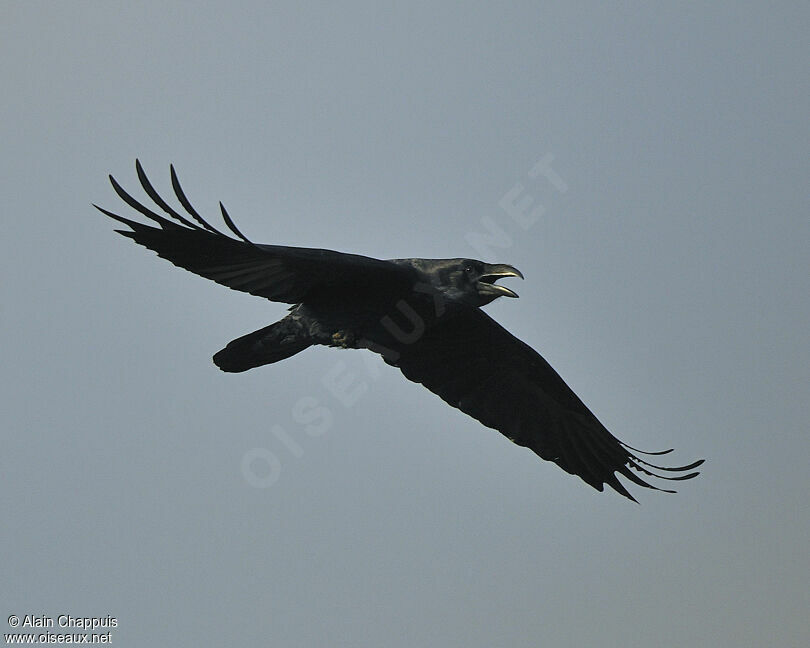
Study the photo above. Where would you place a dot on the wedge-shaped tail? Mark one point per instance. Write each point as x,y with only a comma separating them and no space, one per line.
265,346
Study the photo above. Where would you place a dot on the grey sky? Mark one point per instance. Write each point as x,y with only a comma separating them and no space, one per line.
668,285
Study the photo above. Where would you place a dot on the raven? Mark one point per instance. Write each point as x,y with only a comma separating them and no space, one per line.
422,315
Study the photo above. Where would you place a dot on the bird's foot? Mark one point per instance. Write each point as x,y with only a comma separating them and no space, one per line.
343,339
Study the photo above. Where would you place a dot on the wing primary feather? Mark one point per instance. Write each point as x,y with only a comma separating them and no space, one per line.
165,223
232,226
616,485
690,466
624,470
632,463
679,477
135,225
181,196
155,196
662,452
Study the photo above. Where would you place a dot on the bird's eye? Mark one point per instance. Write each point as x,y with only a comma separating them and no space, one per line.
468,268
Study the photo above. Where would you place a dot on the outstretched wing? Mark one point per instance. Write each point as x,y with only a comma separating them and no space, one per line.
476,365
279,273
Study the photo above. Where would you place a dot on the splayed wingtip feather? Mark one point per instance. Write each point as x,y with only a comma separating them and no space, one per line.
181,196
156,198
231,225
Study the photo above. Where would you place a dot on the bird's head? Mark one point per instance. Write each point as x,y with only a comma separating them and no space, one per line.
472,281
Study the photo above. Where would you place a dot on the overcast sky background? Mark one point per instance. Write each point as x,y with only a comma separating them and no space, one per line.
668,284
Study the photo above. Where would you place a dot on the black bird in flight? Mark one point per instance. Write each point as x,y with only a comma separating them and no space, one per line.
422,315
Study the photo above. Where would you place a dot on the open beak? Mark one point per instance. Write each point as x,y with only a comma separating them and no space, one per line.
493,272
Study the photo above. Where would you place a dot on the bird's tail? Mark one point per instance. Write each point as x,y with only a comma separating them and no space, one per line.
265,346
